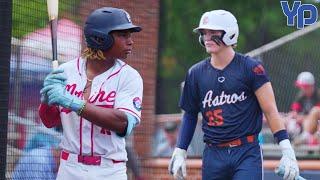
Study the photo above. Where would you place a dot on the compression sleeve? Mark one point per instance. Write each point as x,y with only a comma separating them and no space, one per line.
188,126
132,122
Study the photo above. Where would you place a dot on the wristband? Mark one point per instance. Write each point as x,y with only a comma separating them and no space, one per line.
281,135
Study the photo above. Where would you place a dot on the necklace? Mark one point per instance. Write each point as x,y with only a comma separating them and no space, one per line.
87,85
90,80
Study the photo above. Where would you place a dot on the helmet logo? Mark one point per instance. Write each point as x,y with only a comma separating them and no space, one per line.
128,17
205,20
97,40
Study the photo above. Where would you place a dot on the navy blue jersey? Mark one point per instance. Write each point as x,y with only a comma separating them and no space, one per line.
226,98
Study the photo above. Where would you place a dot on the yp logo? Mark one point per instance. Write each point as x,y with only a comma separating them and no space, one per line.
299,12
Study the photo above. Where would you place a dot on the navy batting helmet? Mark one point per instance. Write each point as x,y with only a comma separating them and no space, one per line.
101,22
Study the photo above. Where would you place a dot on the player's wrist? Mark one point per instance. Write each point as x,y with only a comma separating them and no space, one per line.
76,105
281,135
180,152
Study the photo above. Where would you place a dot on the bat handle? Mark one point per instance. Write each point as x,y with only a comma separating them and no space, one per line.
55,64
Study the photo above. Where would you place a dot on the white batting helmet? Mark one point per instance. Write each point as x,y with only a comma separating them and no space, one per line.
305,79
220,20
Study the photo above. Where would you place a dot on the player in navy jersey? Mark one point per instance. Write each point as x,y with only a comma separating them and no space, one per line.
231,91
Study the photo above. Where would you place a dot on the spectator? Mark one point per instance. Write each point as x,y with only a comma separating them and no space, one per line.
307,98
39,139
133,162
39,163
166,148
310,127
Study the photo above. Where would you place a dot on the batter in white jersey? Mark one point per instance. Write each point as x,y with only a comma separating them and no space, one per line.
97,98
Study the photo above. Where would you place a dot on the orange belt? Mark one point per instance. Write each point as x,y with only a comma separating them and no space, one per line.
236,142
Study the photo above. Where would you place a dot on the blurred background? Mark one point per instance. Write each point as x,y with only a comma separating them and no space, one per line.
163,52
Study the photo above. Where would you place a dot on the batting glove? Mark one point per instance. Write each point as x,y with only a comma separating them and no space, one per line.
177,165
288,161
44,98
55,76
58,95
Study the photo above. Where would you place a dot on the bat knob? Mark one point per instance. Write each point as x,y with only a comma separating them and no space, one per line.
55,64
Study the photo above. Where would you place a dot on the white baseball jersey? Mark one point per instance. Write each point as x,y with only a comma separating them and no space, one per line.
120,87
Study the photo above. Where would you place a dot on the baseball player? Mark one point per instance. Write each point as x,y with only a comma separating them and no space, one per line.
231,91
97,99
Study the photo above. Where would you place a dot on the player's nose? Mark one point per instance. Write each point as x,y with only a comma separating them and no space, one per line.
129,41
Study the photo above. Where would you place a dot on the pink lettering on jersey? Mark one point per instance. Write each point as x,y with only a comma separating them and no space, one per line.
109,98
103,97
72,90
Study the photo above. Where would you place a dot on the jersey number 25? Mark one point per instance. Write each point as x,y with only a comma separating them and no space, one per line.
214,117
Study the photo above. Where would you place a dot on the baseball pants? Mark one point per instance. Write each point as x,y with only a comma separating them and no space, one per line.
71,169
242,162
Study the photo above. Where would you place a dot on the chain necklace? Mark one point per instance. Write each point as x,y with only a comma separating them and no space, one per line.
89,82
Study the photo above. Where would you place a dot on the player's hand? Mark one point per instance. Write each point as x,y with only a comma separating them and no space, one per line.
58,95
55,76
177,165
44,98
288,161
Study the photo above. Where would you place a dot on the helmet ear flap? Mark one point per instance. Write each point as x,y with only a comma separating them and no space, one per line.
201,41
98,40
108,42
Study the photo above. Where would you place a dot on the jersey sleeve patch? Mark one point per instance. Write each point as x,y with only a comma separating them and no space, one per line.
137,103
259,70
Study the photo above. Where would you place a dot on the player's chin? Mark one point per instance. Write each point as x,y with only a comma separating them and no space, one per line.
211,50
124,57
125,54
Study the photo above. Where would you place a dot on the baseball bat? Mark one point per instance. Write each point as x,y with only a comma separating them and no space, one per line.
280,172
53,19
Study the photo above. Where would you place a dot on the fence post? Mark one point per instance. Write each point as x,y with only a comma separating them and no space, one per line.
5,52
